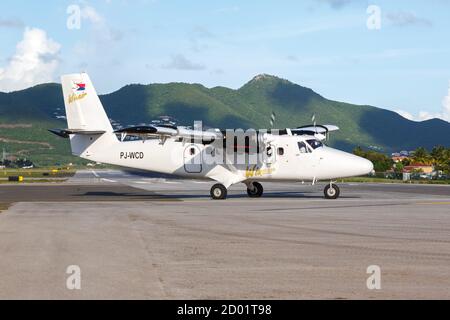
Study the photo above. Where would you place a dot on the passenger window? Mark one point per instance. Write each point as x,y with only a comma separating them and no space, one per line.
302,147
280,151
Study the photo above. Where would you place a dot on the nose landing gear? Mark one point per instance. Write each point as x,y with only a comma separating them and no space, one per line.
331,191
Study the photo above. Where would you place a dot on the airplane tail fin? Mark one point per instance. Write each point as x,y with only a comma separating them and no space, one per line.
87,122
84,110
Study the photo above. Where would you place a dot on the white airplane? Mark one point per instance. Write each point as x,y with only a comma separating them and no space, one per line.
226,157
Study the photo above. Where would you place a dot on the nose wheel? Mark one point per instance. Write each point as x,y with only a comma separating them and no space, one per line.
331,191
218,192
255,190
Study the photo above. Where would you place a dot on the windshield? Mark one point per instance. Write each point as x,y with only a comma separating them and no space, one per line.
314,143
302,147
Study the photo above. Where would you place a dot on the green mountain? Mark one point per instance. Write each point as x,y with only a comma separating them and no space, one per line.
26,115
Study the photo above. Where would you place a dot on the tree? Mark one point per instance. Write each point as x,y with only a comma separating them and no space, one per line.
406,162
441,158
381,162
358,151
398,167
422,156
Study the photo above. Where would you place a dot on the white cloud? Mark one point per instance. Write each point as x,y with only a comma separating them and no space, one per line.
89,13
446,106
180,62
337,4
11,23
405,114
199,38
102,32
35,61
404,18
425,115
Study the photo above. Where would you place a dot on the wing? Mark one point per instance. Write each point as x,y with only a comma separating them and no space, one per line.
314,129
164,132
318,131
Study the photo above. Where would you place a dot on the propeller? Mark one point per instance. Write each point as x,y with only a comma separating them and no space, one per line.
272,119
313,120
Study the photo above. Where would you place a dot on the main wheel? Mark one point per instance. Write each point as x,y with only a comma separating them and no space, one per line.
218,192
331,191
257,190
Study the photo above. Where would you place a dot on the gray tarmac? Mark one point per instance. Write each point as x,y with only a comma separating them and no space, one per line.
168,240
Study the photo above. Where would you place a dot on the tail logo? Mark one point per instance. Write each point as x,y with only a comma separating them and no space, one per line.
79,93
80,87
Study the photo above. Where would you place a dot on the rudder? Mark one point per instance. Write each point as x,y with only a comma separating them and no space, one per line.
88,126
84,110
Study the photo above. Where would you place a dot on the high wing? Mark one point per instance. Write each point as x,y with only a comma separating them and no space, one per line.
313,129
318,131
165,132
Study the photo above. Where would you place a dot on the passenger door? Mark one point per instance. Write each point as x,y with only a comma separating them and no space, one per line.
192,159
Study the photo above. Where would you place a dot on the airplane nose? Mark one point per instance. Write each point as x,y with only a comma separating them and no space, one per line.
340,164
361,166
368,166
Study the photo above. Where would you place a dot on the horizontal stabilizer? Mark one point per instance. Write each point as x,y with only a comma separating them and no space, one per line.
65,133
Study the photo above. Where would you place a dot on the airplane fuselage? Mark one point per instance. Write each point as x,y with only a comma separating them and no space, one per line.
230,158
287,162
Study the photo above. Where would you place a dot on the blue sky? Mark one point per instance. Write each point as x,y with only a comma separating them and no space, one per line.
322,44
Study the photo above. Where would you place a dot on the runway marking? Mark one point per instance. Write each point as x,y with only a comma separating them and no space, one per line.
95,173
335,207
4,206
439,203
109,180
376,202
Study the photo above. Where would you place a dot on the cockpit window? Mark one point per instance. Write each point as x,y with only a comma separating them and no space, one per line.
302,147
314,143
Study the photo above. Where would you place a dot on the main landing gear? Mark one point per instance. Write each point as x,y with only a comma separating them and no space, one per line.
255,190
218,192
331,191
